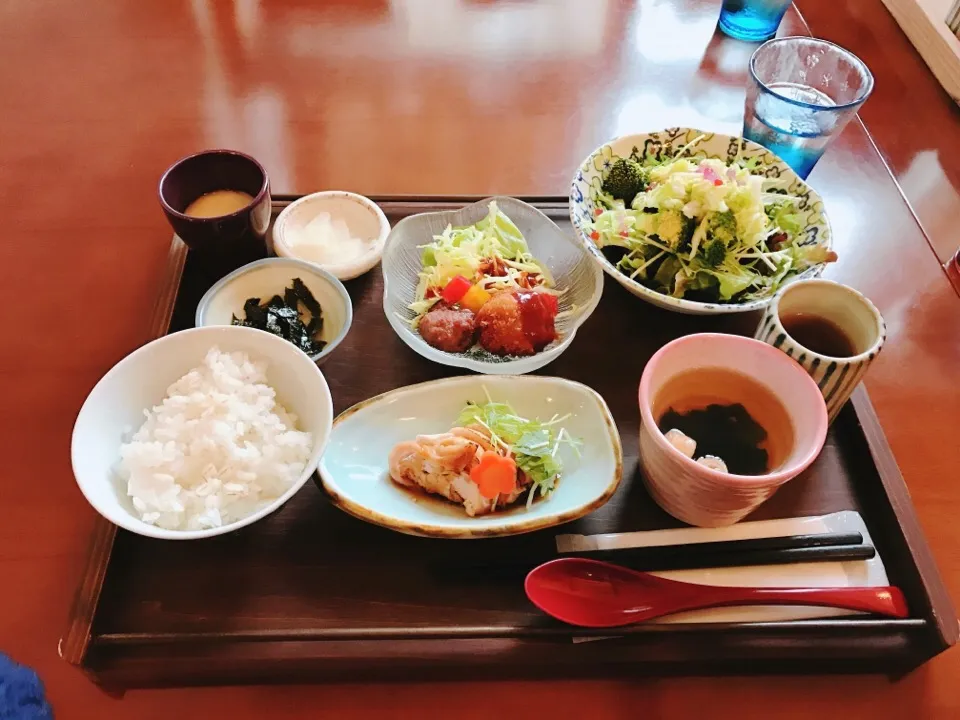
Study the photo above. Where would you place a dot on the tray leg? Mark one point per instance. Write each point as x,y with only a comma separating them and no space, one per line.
908,668
106,687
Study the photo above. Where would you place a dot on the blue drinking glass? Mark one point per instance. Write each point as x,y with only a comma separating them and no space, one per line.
752,20
801,93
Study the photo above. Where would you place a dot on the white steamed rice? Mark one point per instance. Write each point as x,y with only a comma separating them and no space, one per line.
218,448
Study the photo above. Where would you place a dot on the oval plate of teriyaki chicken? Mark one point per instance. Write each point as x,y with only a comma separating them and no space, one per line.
494,287
474,456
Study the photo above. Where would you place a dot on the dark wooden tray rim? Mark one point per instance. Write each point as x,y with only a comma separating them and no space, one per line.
141,659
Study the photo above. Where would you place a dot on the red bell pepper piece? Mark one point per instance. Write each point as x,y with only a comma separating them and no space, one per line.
455,289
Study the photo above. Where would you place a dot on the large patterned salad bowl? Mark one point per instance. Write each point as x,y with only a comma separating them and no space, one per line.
698,223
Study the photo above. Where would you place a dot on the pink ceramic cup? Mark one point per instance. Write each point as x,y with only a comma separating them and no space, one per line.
708,498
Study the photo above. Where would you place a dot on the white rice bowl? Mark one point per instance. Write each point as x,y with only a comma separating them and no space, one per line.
129,408
218,448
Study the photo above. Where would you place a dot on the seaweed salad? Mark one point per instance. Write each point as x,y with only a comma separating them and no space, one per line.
295,316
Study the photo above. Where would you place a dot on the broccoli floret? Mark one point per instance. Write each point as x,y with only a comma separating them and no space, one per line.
674,229
723,227
671,228
686,235
625,179
714,253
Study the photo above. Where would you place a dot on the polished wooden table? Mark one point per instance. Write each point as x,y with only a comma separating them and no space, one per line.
438,96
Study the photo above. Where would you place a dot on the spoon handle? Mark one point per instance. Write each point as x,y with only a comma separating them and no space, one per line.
887,601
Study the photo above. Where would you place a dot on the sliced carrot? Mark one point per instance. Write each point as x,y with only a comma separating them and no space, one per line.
495,475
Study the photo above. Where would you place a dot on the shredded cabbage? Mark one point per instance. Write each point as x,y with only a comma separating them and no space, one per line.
468,250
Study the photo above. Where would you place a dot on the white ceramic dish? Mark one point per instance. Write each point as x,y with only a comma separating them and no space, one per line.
116,404
354,469
571,267
362,216
589,177
269,277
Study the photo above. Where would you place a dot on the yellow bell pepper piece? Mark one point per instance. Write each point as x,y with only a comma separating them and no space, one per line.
475,298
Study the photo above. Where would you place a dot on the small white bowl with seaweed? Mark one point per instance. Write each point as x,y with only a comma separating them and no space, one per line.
292,299
696,222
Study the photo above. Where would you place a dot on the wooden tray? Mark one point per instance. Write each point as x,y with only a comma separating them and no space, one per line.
311,593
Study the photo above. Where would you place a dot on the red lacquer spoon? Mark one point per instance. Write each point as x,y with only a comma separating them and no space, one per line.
592,593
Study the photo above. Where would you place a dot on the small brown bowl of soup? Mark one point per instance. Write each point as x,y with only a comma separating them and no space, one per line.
218,203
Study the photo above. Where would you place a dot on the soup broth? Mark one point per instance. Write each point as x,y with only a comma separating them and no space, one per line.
730,415
218,203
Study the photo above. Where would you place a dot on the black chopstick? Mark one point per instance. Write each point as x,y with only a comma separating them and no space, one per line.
726,553
718,551
785,556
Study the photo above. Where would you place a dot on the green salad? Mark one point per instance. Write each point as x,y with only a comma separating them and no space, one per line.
533,444
700,228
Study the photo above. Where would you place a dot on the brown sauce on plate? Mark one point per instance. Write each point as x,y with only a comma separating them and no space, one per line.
443,506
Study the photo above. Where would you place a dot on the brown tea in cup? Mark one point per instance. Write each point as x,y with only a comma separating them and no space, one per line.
831,330
819,334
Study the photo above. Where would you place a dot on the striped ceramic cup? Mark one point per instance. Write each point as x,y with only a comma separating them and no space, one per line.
842,330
